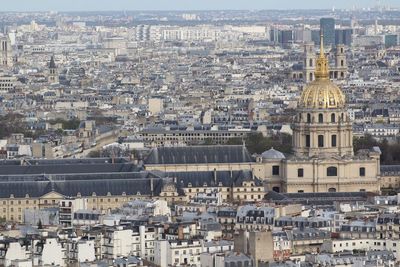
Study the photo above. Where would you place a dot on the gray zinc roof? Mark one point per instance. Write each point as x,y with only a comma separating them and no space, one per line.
199,155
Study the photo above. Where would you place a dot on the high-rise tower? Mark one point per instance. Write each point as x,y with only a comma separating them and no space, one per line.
327,27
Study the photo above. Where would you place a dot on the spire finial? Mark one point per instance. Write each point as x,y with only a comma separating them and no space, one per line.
322,70
321,45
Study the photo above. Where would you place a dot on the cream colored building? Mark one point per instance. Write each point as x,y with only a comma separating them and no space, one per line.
156,105
323,158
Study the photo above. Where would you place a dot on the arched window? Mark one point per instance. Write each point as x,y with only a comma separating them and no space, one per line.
308,118
320,118
311,77
332,190
333,140
342,63
308,140
320,141
331,171
311,62
342,116
362,171
333,117
275,170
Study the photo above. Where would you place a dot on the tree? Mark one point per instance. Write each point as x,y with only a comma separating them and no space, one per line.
257,143
235,141
364,142
94,154
208,142
12,123
390,151
72,124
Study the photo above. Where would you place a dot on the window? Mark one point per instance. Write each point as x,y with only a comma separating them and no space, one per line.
311,62
308,140
320,141
275,170
331,171
300,172
333,117
332,190
308,118
300,191
320,118
362,171
333,140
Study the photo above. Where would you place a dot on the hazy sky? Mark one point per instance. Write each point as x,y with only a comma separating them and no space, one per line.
95,5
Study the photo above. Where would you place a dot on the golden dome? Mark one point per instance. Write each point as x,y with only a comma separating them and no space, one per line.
322,93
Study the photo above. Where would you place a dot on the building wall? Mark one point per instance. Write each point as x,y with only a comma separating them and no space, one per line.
86,251
261,246
15,252
200,167
390,181
52,253
155,105
348,177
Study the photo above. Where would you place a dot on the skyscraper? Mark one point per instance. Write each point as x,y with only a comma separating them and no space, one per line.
327,26
343,36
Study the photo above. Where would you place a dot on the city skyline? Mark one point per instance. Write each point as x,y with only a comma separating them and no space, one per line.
105,5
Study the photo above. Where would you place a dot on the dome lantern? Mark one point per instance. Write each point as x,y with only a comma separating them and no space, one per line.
322,93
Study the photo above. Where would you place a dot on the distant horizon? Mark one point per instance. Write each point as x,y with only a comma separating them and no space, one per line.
185,5
173,10
178,10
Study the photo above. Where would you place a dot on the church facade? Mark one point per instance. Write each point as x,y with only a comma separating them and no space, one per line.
323,158
322,161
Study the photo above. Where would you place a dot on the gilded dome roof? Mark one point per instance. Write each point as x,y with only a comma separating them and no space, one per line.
322,93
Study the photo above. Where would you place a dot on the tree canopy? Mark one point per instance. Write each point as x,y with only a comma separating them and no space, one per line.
257,143
390,151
